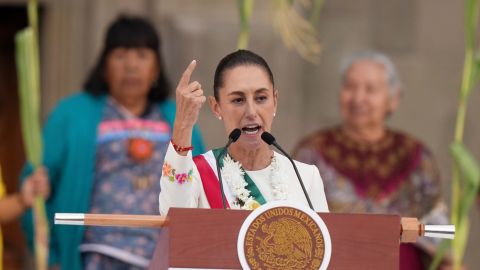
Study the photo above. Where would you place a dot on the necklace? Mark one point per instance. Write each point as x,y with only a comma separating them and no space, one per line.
234,175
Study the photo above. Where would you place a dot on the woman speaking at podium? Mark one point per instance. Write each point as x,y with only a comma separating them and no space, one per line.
251,173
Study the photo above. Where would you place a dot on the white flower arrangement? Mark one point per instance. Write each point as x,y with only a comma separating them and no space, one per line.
233,174
279,187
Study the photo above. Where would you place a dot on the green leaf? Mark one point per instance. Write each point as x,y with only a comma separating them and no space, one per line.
28,81
471,21
28,71
467,162
29,87
470,174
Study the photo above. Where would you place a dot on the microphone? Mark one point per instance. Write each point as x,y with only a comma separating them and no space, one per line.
270,140
233,137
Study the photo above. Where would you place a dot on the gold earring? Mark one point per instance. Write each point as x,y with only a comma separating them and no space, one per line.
219,118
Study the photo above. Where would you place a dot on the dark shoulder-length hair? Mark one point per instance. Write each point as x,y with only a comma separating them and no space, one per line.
129,32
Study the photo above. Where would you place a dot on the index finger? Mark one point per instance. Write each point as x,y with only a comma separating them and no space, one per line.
185,79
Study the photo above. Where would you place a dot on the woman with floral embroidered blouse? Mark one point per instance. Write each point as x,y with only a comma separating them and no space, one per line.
253,174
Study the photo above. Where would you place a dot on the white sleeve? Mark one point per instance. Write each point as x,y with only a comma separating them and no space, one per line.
317,192
179,184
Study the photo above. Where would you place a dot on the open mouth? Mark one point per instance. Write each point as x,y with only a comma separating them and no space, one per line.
251,129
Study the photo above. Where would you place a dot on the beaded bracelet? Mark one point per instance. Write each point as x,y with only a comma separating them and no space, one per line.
181,148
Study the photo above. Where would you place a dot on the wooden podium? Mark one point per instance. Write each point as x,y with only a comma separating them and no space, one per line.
207,238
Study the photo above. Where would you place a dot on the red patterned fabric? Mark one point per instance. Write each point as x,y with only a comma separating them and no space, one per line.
376,170
396,175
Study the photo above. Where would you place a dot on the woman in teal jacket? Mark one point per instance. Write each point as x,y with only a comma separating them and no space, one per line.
104,150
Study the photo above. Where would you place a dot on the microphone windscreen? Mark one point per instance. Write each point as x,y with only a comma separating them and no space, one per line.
268,138
235,134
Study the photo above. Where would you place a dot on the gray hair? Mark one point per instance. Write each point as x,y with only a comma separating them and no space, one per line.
392,77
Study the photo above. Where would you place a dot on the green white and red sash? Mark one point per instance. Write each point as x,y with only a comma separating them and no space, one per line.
207,168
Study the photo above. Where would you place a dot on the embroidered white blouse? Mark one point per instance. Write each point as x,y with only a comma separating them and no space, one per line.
181,185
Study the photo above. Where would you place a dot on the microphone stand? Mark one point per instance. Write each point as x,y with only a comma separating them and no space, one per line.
233,137
269,139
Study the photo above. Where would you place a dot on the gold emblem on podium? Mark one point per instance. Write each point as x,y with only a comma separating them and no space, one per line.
283,237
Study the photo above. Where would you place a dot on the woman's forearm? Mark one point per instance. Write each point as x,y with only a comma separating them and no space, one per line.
11,207
182,136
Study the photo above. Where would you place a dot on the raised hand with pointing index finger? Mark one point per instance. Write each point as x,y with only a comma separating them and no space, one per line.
189,99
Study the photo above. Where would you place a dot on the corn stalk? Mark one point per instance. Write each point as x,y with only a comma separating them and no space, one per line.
245,8
295,30
466,171
28,69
